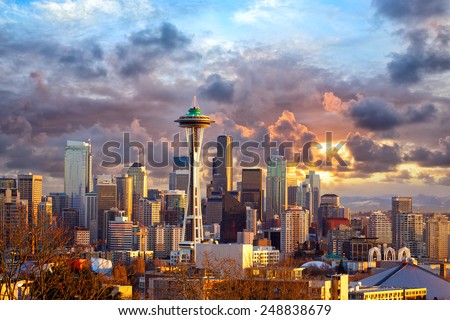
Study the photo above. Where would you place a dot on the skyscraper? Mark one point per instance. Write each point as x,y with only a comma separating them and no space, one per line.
78,175
408,231
436,237
30,188
223,164
380,227
125,195
294,229
179,178
276,199
313,180
106,190
252,190
139,174
194,122
400,205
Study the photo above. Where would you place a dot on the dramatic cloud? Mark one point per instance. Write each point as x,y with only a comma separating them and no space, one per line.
428,53
405,10
378,115
148,48
332,103
217,89
375,114
371,156
430,158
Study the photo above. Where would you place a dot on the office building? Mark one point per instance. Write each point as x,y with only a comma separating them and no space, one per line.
173,206
45,213
276,199
380,227
140,190
252,190
125,195
234,217
91,210
213,209
13,217
311,198
6,183
294,229
30,188
149,212
401,205
436,237
78,175
120,234
408,231
106,190
223,164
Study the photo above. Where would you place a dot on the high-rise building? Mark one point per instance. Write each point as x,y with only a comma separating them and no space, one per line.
120,234
408,231
125,195
234,217
276,199
60,200
380,227
252,190
78,175
330,208
45,213
30,188
91,211
173,206
312,195
149,212
400,205
223,164
194,122
251,219
213,209
13,217
6,183
179,177
106,190
139,174
70,219
294,229
436,237
291,174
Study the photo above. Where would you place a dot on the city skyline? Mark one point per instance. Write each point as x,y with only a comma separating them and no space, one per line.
371,73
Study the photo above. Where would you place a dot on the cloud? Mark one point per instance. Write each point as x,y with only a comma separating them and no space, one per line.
406,10
217,89
371,156
379,115
151,47
427,157
332,103
262,9
375,114
398,177
90,10
445,180
426,54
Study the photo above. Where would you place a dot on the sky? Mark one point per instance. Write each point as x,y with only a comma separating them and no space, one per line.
373,73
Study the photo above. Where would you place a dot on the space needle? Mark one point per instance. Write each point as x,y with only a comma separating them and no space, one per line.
194,122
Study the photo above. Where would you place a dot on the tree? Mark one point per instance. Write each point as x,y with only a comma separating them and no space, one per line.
35,261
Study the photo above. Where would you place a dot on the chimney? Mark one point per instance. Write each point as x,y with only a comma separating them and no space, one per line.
443,270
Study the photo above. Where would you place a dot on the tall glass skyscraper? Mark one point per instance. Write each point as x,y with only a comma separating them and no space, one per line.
78,175
223,164
276,185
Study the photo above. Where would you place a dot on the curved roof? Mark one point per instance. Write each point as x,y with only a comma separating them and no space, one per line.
315,264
